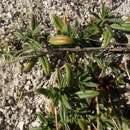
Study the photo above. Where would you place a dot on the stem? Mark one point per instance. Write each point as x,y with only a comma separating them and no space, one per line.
126,68
56,120
92,124
43,51
91,49
115,124
98,112
89,128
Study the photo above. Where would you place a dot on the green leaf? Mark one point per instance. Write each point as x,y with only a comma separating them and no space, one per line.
125,27
45,65
125,124
34,44
65,25
87,94
30,64
63,114
72,30
92,30
107,36
68,74
59,24
105,12
72,57
107,121
84,77
41,117
18,35
36,31
90,84
82,124
51,93
59,77
34,22
65,102
45,92
114,20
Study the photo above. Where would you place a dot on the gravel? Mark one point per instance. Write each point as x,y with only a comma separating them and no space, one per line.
19,102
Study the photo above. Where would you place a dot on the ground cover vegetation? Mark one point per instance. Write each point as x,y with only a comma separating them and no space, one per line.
85,79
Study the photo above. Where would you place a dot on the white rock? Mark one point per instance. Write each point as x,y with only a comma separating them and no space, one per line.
20,125
36,123
9,15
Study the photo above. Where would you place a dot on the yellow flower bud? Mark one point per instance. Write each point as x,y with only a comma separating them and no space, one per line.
61,40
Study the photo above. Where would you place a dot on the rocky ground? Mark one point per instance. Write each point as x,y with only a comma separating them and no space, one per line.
19,102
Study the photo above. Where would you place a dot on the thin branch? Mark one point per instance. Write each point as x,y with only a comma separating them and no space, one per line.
98,113
42,52
56,120
90,49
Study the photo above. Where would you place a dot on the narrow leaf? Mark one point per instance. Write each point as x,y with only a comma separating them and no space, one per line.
72,57
122,27
34,44
36,31
65,102
107,36
87,94
68,74
82,124
92,30
65,30
89,84
45,65
104,119
45,92
114,20
58,23
59,76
